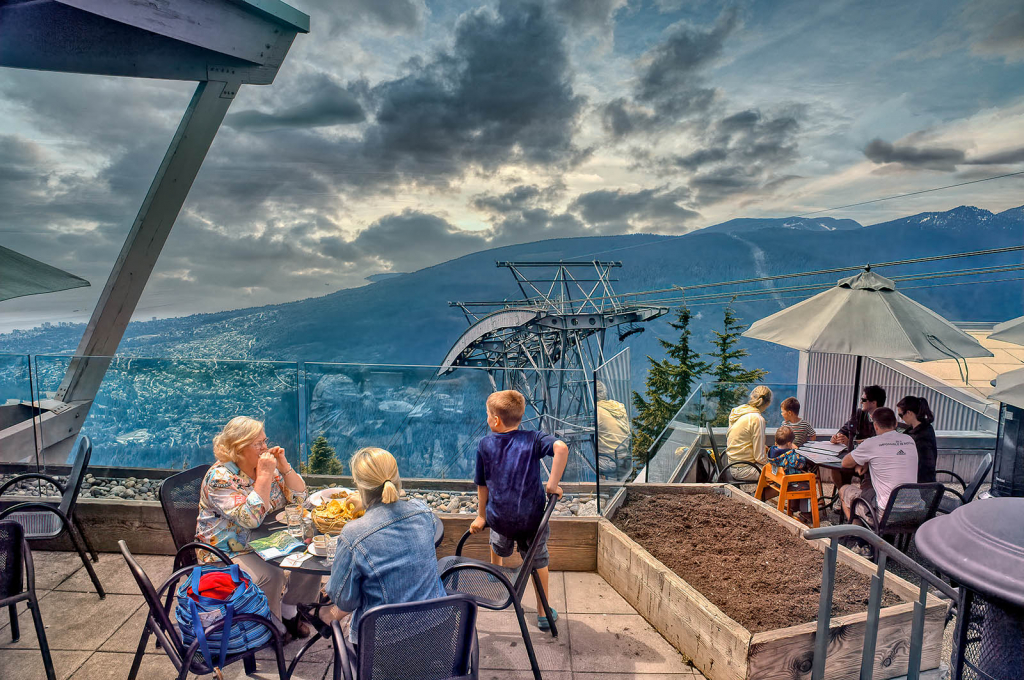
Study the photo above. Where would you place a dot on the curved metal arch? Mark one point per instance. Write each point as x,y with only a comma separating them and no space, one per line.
505,319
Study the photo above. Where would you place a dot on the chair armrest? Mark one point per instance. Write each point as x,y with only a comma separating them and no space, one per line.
869,513
462,542
342,658
204,546
481,566
31,475
757,467
959,496
957,478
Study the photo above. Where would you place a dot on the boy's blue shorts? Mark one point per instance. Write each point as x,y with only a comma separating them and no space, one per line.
502,546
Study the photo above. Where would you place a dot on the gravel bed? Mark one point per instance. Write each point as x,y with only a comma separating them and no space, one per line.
145,489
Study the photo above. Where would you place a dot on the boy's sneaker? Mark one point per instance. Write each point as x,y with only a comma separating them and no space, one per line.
542,621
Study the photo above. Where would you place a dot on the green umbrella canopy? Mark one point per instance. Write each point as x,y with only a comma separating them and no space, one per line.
1009,331
864,316
1010,388
21,275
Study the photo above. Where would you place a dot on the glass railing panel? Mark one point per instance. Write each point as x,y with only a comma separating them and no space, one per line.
613,392
677,443
432,420
16,409
164,413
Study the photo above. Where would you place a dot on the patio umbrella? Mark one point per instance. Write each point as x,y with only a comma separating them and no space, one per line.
21,275
1010,388
864,316
1009,331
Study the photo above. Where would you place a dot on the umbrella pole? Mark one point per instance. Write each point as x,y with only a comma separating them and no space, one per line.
856,392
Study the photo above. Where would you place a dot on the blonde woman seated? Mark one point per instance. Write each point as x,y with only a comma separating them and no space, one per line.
386,556
745,438
248,482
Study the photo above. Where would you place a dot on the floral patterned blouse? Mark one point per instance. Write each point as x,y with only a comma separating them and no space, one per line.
230,508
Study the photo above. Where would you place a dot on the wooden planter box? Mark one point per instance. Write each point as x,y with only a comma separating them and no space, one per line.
722,649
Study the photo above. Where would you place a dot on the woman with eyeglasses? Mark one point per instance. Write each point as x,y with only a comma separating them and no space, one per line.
915,413
249,481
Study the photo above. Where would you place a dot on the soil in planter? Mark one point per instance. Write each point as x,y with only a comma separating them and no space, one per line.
746,563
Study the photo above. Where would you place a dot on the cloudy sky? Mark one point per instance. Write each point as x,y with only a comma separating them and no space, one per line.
402,133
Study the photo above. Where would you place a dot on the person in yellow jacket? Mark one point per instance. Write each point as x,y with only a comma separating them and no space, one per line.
745,438
612,434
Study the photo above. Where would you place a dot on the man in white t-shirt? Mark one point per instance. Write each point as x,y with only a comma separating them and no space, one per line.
889,456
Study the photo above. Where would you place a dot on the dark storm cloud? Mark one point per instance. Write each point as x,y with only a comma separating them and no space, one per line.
503,94
648,207
518,198
933,158
671,86
328,104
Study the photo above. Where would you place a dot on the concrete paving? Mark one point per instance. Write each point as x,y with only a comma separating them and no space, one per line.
600,636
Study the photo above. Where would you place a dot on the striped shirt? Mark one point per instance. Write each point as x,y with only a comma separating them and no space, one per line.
802,432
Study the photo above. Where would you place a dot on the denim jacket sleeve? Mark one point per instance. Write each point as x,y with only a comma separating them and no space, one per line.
345,585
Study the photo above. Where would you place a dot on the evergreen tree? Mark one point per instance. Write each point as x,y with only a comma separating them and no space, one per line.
669,382
731,379
322,460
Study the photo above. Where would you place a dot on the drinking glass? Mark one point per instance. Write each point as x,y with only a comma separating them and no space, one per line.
294,515
332,549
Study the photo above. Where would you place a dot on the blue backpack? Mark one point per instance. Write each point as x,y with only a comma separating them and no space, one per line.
195,613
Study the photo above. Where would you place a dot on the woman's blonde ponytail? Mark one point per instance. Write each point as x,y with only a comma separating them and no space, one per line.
375,473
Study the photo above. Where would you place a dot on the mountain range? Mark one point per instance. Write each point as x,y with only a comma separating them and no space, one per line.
406,318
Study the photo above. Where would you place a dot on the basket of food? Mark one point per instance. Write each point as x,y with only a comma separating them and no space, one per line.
331,516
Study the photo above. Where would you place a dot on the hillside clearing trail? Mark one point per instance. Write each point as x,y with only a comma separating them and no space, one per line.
759,261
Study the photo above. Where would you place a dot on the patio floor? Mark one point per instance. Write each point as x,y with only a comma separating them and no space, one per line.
600,635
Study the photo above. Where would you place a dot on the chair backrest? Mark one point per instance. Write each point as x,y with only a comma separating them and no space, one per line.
83,452
152,597
527,568
179,497
429,640
12,547
980,475
910,506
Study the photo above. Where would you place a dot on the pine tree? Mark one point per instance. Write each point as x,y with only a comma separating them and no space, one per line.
322,459
731,379
669,382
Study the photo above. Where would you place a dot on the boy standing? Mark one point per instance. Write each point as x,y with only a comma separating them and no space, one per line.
511,497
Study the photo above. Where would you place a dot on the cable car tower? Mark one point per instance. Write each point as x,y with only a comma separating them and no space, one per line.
547,345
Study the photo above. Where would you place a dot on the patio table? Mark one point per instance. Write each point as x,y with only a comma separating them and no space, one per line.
318,565
828,456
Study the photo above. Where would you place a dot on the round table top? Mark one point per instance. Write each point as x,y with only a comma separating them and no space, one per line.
319,565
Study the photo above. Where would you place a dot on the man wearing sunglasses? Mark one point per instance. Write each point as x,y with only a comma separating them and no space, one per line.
860,425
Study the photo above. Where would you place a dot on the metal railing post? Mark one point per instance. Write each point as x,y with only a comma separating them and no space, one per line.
867,661
828,582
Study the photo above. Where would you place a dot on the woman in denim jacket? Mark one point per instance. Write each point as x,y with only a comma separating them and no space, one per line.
386,556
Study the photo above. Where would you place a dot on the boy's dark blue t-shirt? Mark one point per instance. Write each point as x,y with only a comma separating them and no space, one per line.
508,464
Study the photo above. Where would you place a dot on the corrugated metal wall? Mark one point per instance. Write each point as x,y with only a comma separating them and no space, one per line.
827,404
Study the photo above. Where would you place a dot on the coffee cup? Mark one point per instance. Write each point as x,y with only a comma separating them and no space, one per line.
320,542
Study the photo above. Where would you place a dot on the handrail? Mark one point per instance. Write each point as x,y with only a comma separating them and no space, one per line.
884,550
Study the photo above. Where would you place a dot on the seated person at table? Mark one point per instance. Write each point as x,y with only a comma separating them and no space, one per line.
386,556
914,412
745,437
890,457
248,482
511,497
802,430
784,453
785,456
613,453
858,427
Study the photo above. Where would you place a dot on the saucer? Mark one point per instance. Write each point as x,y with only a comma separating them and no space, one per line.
318,552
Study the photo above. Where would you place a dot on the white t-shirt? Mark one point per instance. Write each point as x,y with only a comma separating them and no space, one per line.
892,460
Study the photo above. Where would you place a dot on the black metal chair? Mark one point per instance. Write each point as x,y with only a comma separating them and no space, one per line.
723,467
429,640
42,520
953,499
179,498
18,583
497,588
190,659
909,506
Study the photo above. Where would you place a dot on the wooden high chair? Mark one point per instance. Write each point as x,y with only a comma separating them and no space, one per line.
776,478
